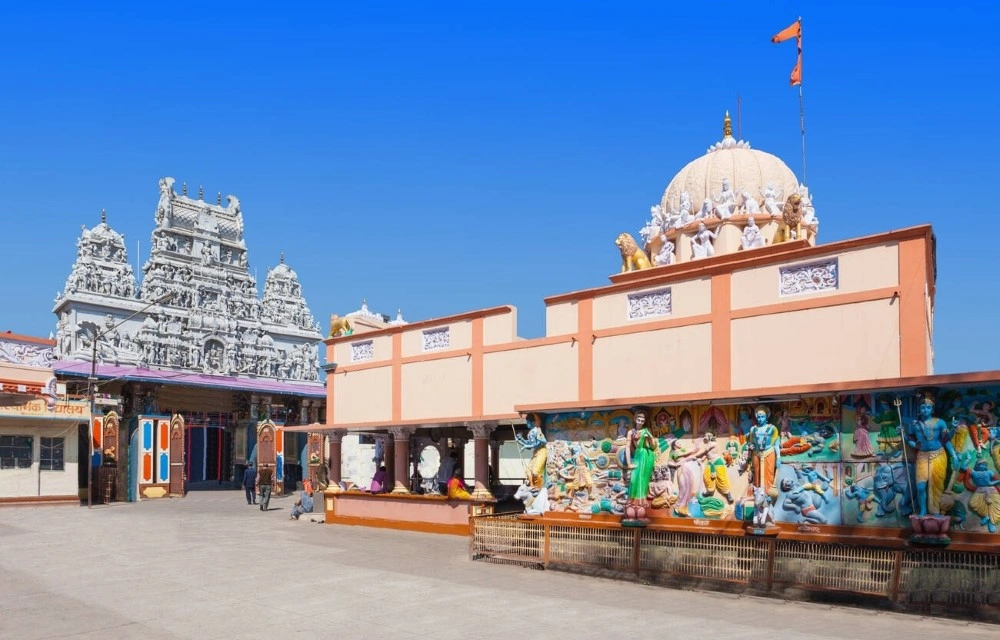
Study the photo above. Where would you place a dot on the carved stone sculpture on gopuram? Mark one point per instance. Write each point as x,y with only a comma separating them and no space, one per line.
207,317
743,193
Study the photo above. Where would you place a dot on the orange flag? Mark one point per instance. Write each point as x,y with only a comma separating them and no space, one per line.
792,31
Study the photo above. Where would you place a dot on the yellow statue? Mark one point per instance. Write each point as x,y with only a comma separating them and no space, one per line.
791,215
633,258
340,326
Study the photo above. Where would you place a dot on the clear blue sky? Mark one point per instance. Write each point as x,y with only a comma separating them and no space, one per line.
442,157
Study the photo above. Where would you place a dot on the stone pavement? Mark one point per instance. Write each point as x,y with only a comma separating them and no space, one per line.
209,566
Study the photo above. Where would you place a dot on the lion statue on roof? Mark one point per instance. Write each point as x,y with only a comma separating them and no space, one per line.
791,215
633,258
340,326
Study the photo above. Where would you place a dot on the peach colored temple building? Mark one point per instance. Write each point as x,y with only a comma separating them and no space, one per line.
727,304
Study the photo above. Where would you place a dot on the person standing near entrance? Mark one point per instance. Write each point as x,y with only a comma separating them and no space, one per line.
265,476
249,483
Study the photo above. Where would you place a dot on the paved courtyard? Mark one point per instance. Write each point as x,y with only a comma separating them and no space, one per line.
209,566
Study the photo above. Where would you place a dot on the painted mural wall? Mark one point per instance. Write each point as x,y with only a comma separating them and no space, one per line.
842,459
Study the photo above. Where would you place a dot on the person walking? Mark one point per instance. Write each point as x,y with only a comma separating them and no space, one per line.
249,483
265,476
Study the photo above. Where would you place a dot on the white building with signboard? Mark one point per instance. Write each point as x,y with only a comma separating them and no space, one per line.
41,431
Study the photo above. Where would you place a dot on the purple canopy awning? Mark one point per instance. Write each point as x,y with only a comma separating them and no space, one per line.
167,376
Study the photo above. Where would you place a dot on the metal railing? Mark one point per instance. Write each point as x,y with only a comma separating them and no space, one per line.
933,581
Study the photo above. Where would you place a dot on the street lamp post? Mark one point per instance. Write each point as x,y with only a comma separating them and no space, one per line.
92,391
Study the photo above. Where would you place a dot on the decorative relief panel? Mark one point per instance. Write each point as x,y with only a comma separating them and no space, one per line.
436,339
26,354
649,304
809,278
362,351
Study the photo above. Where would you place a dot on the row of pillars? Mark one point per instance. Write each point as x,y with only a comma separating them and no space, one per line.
397,467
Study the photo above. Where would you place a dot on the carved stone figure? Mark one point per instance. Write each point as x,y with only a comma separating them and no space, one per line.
666,253
164,209
536,502
701,242
706,211
771,198
725,202
762,515
752,237
633,258
750,206
809,219
654,226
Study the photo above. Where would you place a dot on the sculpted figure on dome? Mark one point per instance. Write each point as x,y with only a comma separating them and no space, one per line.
633,258
666,253
701,242
706,211
725,202
809,218
654,226
684,213
771,198
752,237
750,205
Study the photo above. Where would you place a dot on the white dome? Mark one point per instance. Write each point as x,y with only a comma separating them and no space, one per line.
746,168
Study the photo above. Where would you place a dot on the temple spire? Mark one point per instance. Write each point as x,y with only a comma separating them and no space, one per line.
281,258
104,217
727,126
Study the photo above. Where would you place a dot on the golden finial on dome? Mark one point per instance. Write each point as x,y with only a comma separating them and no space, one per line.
727,126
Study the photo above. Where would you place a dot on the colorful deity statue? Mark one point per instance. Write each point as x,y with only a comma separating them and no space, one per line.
985,500
714,472
765,456
931,438
535,442
640,455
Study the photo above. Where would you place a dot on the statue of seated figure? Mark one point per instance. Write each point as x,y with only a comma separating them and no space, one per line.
665,254
752,237
750,206
772,198
725,202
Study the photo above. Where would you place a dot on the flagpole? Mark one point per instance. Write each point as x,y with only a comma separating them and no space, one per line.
802,128
802,112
